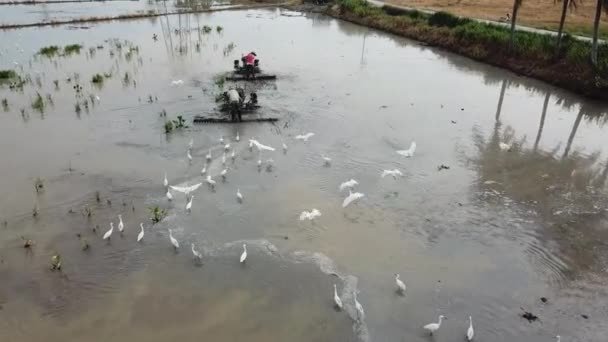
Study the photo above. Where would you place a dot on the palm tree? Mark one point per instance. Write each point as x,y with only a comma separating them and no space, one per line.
516,5
565,5
596,28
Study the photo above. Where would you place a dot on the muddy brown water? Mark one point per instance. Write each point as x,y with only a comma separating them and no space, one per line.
486,238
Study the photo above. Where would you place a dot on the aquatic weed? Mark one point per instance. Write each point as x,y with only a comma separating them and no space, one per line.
168,127
5,104
49,51
207,29
219,29
77,108
38,184
158,214
7,74
97,79
38,103
72,49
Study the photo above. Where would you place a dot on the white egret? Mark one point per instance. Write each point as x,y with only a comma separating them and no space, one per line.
504,147
337,299
222,140
259,163
169,196
173,240
204,169
121,226
189,204
260,146
223,174
98,98
108,234
233,155
310,215
409,152
304,137
224,159
352,196
227,147
358,306
189,156
394,173
186,189
210,181
284,148
166,181
238,138
196,253
208,156
471,332
348,184
327,160
250,145
191,143
558,338
400,285
140,236
239,196
244,255
433,327
177,82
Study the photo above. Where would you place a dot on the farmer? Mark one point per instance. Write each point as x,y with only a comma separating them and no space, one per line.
249,64
234,101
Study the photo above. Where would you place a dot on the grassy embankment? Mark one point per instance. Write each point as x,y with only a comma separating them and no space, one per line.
532,55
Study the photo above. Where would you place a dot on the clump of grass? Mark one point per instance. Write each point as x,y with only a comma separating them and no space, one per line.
219,29
77,108
158,214
72,49
5,104
7,74
168,127
38,103
56,82
88,211
171,125
163,113
97,196
97,79
35,211
49,51
207,29
56,262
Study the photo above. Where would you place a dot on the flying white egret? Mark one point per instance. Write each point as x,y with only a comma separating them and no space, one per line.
140,236
177,82
121,226
558,338
189,156
400,285
352,196
227,147
238,138
433,327
224,159
173,240
348,184
189,204
196,253
471,332
394,173
358,306
310,215
304,137
108,234
260,163
222,140
233,155
284,148
191,143
244,255
208,156
186,189
327,160
337,299
166,181
409,152
210,181
239,196
169,196
260,146
223,174
504,147
204,170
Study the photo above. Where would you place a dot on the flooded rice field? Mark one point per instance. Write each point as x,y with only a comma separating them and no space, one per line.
501,209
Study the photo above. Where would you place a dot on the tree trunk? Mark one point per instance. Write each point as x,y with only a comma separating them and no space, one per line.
542,121
596,32
562,21
516,4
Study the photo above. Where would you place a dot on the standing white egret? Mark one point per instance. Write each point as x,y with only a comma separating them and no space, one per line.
222,140
173,240
409,152
326,160
140,236
348,184
189,156
210,181
259,163
121,226
352,196
224,159
284,148
204,170
471,332
400,285
191,143
304,137
223,174
233,155
433,327
238,138
227,147
108,234
166,181
250,145
196,253
208,156
337,299
358,306
244,255
189,204
239,196
169,196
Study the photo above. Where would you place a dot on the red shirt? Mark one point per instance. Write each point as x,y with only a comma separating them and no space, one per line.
250,59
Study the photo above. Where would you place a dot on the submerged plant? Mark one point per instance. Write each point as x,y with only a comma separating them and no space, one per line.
219,29
158,214
49,51
5,104
97,79
88,211
168,127
7,74
72,49
38,184
207,29
180,122
35,211
56,82
38,103
77,108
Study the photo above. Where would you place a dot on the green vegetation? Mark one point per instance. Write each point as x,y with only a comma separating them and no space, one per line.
207,29
7,74
97,78
38,103
168,127
174,124
49,51
491,43
72,49
219,29
158,214
5,104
